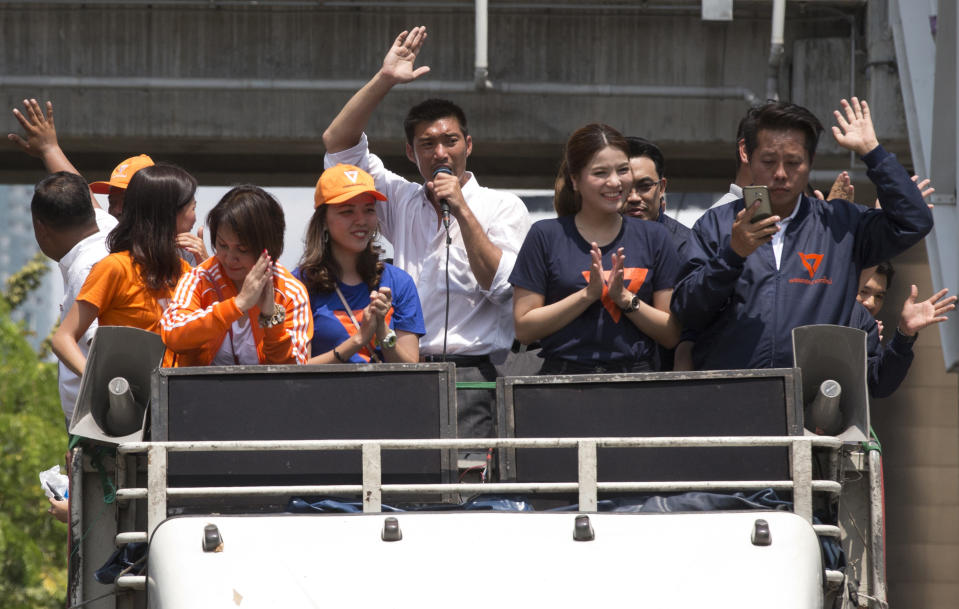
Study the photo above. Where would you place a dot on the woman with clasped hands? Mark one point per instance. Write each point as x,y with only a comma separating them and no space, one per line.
240,306
589,319
364,310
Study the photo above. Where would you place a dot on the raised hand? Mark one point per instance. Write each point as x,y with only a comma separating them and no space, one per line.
855,131
842,188
399,60
39,130
918,315
594,289
193,244
257,287
373,317
924,187
380,302
617,290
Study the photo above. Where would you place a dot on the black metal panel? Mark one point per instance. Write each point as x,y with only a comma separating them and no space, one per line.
382,401
717,403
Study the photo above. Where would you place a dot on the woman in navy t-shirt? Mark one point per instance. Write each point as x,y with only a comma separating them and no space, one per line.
593,286
363,309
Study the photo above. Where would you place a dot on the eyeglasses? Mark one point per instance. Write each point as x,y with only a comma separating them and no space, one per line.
645,186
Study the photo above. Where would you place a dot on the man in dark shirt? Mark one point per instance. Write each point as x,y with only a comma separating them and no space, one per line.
889,363
647,198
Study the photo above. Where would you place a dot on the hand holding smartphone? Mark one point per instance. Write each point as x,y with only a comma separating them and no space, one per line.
751,194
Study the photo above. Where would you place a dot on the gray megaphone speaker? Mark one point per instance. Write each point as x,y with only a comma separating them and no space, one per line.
834,380
114,393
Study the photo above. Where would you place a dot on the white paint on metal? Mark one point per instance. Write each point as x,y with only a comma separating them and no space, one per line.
877,528
587,476
372,479
132,582
802,478
157,486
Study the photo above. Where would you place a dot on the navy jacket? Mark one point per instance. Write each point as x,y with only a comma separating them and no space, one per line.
889,363
678,233
744,309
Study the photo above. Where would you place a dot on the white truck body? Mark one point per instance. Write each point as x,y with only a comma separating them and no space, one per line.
482,559
273,558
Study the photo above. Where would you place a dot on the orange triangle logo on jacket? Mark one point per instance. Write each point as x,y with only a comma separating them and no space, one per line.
811,262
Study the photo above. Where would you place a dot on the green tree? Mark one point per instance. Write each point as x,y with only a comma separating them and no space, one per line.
33,546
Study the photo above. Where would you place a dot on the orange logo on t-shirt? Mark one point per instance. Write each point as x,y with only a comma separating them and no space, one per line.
811,262
633,279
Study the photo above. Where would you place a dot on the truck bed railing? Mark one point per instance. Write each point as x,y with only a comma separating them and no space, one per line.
372,490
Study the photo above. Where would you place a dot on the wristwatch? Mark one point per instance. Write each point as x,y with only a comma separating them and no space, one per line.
389,340
633,304
279,314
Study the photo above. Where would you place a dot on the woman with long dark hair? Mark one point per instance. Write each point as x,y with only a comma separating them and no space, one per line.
363,309
132,286
240,306
588,318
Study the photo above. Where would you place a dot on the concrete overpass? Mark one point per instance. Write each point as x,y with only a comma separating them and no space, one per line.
237,90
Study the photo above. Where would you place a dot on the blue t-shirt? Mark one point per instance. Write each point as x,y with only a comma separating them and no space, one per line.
554,261
332,325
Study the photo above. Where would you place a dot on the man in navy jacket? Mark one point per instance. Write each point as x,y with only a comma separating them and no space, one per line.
747,285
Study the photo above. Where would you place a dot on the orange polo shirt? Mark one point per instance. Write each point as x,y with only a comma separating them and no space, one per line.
121,297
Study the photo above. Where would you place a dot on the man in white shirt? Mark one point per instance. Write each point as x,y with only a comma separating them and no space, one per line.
744,176
71,231
470,321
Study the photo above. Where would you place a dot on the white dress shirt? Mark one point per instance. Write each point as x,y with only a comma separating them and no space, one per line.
735,193
480,321
779,237
75,266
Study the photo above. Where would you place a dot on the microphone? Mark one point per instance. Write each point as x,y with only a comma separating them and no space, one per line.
444,204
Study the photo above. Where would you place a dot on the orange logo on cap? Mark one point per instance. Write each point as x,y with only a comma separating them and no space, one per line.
811,262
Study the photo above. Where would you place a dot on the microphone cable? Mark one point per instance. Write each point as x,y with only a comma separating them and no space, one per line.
446,322
445,216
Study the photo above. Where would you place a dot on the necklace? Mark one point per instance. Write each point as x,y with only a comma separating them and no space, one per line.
603,235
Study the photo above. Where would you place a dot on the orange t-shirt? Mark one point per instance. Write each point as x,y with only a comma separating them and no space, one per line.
121,297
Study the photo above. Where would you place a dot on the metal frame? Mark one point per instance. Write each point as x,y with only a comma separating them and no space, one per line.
372,489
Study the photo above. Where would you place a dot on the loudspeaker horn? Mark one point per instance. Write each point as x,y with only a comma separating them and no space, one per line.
114,393
833,353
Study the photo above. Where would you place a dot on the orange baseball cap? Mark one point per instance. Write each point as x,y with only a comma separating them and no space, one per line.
340,183
120,178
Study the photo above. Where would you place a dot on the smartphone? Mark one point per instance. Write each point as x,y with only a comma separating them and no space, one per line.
751,194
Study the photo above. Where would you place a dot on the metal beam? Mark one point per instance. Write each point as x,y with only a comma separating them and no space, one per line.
927,70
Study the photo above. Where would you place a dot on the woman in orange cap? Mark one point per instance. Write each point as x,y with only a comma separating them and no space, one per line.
363,309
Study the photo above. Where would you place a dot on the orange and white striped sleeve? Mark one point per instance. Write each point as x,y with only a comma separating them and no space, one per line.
289,342
186,323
